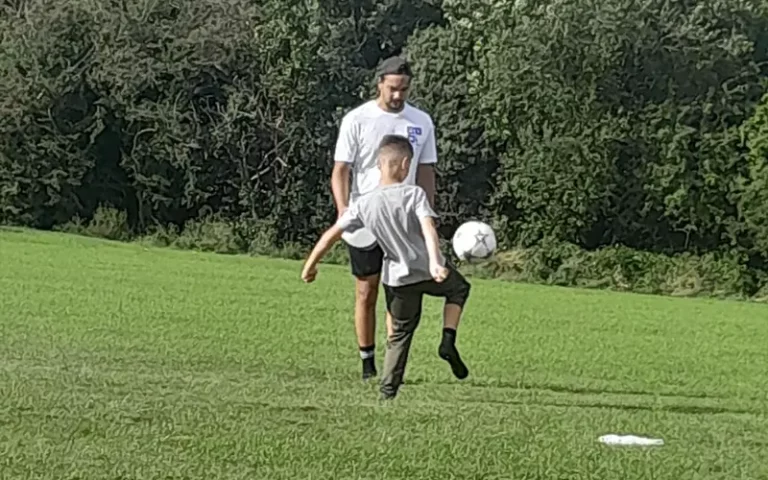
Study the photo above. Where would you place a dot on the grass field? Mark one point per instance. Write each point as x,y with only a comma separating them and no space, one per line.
121,362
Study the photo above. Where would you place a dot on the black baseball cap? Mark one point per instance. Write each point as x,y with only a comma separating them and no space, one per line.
393,66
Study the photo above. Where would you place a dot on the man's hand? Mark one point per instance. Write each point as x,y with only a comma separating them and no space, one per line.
439,272
340,212
309,273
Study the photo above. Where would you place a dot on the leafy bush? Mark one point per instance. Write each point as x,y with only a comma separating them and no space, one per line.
754,199
107,222
176,111
209,235
622,269
617,143
620,119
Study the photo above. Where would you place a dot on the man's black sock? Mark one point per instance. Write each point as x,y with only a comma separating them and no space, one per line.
367,355
367,352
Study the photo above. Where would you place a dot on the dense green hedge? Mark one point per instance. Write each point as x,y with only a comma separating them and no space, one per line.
637,125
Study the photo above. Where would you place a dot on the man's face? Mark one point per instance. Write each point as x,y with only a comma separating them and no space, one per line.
393,91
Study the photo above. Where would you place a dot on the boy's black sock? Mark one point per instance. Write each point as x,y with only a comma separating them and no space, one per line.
450,354
449,336
367,355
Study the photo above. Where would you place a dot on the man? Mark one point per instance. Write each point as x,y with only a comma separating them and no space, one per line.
400,218
361,131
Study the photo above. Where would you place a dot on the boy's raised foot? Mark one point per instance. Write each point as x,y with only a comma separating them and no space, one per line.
450,354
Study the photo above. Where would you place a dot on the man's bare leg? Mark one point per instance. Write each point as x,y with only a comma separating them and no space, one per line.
366,295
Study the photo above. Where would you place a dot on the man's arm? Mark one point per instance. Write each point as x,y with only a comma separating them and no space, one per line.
340,186
344,157
425,178
425,173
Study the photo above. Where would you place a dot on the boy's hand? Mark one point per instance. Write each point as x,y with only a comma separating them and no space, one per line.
309,274
439,272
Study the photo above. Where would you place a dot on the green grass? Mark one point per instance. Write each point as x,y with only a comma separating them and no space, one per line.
123,362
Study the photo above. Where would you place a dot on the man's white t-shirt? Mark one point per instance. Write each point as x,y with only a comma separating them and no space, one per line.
361,132
359,136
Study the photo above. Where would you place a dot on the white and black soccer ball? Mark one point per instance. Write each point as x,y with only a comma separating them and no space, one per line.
474,240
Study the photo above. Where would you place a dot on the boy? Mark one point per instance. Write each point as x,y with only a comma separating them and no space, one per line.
400,218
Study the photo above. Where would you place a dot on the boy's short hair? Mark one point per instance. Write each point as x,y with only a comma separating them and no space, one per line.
396,146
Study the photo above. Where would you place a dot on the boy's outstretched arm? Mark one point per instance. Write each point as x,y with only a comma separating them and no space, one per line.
329,238
439,272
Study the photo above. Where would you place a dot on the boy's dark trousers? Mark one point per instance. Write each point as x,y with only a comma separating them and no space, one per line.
404,304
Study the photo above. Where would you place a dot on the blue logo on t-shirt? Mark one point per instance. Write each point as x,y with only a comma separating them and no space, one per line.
413,134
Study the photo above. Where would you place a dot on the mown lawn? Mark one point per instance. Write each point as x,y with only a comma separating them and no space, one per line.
122,362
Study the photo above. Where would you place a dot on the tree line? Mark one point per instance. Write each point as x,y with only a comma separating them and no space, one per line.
639,125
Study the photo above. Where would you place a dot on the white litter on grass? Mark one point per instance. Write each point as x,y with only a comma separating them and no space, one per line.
614,439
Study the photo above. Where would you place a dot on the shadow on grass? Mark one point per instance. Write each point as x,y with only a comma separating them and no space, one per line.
682,409
573,389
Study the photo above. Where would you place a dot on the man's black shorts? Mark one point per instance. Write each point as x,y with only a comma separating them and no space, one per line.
365,262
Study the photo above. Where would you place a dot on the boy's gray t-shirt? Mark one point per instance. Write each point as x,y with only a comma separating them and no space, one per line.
393,214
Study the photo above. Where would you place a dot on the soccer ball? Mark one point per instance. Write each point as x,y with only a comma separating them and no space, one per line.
474,241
